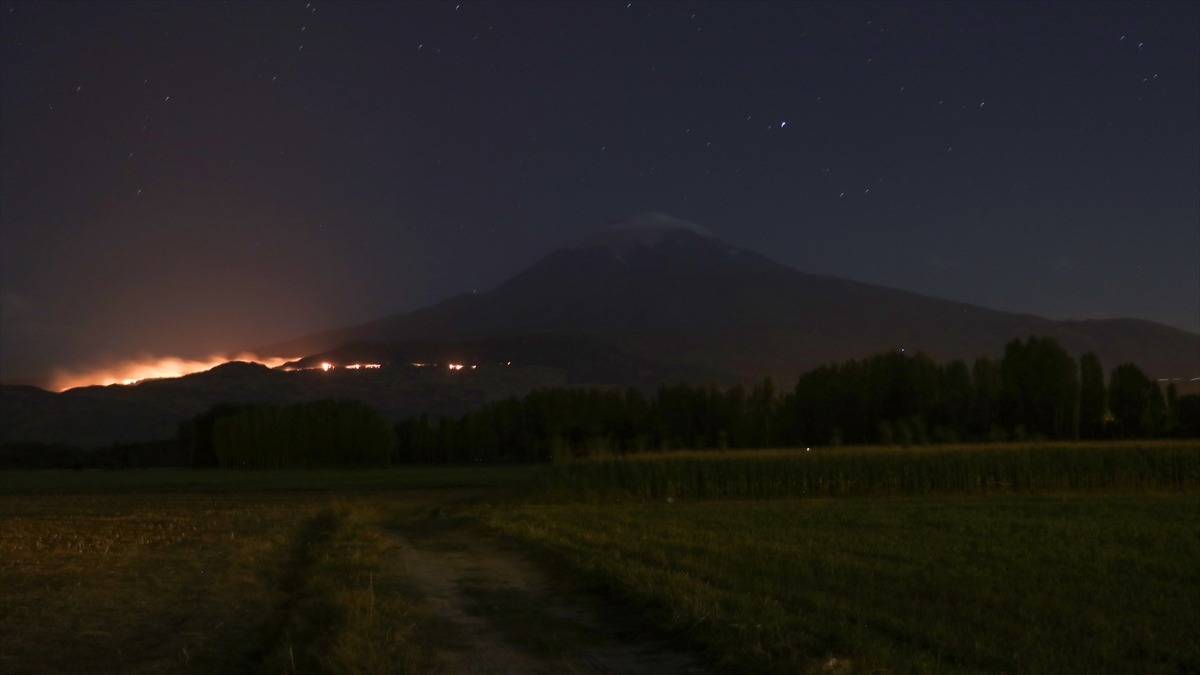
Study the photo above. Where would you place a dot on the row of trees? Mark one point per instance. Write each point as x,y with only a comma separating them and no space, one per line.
1035,391
302,435
143,455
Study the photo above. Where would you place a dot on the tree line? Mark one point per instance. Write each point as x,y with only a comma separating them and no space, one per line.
1036,390
300,436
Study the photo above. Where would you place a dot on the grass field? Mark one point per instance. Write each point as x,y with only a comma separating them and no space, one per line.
1052,559
1049,584
969,560
165,571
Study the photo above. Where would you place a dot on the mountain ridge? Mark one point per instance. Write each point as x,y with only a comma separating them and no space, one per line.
667,284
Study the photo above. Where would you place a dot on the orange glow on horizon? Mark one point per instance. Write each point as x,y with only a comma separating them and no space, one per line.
132,371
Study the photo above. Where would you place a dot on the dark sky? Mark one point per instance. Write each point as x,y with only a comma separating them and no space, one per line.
181,179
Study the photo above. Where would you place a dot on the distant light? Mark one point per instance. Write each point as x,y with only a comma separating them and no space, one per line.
326,366
455,366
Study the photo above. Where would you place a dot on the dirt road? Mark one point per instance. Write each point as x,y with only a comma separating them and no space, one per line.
511,616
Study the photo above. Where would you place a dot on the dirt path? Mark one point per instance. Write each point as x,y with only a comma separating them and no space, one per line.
515,618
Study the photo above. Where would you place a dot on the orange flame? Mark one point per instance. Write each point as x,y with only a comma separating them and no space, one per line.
149,367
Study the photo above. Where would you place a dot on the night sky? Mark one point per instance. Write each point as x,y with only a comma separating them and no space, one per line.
184,179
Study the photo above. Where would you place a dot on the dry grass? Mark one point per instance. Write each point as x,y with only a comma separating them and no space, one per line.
241,582
137,583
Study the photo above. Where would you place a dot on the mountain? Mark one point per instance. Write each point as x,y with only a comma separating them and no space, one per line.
667,291
647,301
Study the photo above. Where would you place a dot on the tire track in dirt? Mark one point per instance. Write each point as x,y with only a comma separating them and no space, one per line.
516,619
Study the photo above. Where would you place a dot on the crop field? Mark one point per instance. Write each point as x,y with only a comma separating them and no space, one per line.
985,559
879,471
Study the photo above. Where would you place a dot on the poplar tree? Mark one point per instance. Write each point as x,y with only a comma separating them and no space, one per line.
1092,404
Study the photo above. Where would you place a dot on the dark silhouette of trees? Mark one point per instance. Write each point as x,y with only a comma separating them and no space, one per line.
304,435
1092,397
1187,416
1039,389
952,418
139,455
1135,401
985,404
1035,391
196,434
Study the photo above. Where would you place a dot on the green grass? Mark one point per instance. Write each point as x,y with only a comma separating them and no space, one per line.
972,559
961,584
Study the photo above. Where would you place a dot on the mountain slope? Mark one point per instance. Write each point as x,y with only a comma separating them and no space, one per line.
672,293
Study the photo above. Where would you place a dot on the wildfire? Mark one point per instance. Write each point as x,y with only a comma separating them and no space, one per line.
147,368
326,366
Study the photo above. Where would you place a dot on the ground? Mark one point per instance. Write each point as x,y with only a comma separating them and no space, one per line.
516,616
